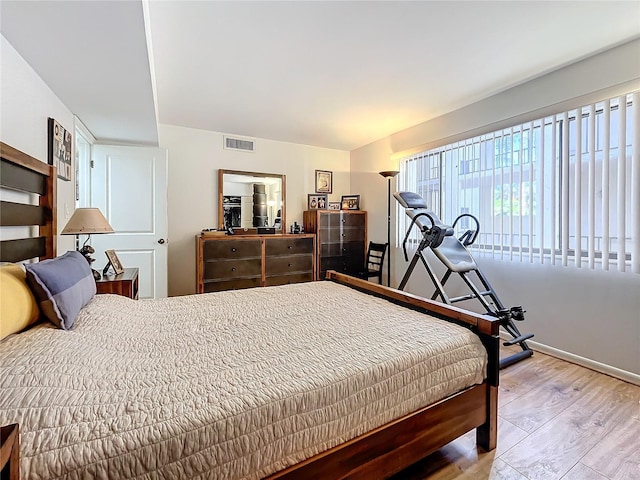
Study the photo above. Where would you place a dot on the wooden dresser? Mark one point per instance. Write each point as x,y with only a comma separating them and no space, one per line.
235,261
341,239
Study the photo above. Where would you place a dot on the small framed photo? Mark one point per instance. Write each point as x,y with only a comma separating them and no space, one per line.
324,181
335,206
316,201
114,261
350,202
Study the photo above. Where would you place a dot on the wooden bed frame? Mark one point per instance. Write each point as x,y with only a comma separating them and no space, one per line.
21,172
376,454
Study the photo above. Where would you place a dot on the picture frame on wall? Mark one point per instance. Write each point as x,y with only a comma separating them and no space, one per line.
59,149
316,201
350,202
335,206
324,181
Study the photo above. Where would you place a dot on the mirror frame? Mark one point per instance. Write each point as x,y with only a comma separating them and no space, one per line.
283,179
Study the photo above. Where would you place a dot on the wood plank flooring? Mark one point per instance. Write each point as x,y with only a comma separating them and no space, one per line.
556,420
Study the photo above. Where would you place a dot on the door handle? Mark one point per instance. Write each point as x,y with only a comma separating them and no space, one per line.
161,241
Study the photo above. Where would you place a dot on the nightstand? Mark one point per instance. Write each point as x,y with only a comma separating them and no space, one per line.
10,452
125,284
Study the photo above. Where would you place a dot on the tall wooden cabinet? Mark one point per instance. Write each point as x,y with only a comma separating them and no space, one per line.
341,239
234,262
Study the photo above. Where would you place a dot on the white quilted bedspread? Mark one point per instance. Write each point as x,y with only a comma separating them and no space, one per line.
228,385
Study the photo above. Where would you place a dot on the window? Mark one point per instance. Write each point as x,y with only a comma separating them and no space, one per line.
559,189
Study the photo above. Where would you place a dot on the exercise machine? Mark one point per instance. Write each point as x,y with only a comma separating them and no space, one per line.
453,253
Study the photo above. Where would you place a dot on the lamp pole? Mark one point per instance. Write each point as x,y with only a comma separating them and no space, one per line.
389,174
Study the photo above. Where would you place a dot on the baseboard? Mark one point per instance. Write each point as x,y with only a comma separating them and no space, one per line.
582,361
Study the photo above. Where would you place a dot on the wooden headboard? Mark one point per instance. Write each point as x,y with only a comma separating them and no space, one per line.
21,172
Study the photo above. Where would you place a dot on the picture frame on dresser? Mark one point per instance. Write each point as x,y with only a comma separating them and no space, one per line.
350,202
335,206
316,201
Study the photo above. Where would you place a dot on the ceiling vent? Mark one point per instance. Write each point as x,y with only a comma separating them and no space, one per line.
243,144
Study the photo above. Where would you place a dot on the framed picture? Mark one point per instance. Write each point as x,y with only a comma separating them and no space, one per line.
114,261
60,149
324,181
334,206
316,201
350,202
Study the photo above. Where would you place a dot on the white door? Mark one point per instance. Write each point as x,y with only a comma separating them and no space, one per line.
129,186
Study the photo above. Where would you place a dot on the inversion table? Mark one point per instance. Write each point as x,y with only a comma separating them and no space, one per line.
453,253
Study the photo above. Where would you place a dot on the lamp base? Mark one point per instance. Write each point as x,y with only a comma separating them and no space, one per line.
96,274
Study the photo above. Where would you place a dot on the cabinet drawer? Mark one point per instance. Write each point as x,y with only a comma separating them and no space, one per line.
221,269
232,249
337,235
289,264
347,249
342,219
343,264
288,246
287,279
234,284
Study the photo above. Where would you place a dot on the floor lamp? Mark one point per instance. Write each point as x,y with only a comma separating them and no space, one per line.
389,175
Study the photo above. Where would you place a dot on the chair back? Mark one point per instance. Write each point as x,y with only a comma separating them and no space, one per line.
375,256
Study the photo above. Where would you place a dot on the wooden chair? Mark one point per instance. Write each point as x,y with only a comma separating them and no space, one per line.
375,261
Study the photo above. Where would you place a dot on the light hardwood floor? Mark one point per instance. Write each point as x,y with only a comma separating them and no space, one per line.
556,420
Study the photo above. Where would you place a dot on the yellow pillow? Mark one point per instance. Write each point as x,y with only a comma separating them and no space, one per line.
18,307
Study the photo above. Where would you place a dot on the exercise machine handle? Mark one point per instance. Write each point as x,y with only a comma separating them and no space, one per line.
406,236
468,237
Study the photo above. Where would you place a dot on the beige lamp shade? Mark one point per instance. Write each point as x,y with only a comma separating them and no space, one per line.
86,221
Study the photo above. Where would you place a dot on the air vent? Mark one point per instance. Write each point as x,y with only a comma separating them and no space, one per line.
243,144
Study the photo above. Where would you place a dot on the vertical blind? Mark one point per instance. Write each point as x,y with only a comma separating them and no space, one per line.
563,189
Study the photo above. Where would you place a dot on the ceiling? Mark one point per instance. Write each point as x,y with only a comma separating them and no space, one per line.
334,74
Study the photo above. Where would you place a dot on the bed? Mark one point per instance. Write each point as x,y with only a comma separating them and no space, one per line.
335,379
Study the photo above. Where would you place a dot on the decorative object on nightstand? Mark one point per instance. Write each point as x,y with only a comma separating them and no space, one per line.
389,174
125,284
114,262
87,221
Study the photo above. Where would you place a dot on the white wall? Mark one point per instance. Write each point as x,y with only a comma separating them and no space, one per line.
194,159
26,103
595,315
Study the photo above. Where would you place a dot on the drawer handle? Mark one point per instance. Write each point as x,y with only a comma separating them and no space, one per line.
233,269
291,264
233,249
290,247
344,234
344,220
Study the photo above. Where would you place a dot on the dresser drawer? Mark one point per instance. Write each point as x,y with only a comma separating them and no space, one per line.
221,269
288,246
231,249
288,264
234,284
287,279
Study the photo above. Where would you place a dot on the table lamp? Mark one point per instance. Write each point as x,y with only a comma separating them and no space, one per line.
87,221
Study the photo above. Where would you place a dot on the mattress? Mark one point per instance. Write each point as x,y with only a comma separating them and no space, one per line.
228,385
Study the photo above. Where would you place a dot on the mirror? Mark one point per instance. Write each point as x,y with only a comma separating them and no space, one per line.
251,200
